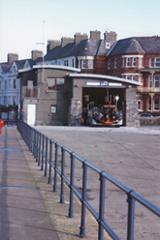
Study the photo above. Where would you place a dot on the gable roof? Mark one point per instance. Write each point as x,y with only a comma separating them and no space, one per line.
6,66
137,45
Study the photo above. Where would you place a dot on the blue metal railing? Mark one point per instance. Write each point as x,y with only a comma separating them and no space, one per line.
42,149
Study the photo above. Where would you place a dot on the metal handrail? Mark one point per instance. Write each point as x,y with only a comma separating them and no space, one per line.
42,148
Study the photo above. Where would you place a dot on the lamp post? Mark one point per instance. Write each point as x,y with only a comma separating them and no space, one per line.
116,98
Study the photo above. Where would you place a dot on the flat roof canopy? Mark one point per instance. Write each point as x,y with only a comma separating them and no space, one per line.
104,78
49,66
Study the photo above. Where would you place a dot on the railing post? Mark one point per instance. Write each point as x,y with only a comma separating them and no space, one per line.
101,207
55,168
62,175
42,162
34,142
37,145
131,216
39,153
83,207
50,162
71,198
46,158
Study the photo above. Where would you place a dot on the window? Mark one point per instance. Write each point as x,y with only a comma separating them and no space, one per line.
73,63
150,82
30,84
131,77
14,100
85,64
5,86
156,102
0,84
55,83
65,62
9,84
128,62
5,100
14,83
134,62
157,81
51,83
155,62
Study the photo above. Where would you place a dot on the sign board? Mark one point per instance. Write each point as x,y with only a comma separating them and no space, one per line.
97,83
53,108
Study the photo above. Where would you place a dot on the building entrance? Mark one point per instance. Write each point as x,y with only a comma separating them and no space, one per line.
104,106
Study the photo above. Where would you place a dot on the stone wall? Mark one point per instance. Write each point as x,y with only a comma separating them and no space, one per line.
132,118
151,121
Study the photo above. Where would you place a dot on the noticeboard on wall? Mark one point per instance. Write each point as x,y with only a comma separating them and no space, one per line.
53,108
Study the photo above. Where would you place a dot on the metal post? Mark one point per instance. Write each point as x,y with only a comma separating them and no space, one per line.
39,153
83,207
62,175
32,147
131,216
101,206
55,168
50,162
71,199
42,162
34,142
46,158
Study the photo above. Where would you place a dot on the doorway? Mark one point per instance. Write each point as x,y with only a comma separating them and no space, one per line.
31,114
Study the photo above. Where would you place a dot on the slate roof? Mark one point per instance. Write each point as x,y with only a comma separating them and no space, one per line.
6,66
139,45
83,48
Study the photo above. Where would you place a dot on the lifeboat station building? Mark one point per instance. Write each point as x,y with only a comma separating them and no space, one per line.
59,95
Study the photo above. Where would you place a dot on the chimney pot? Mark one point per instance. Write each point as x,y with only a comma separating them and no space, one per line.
35,54
52,44
66,40
95,35
12,57
78,37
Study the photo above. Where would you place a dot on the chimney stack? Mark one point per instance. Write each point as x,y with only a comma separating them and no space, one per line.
78,37
66,40
110,37
52,44
12,57
95,35
35,54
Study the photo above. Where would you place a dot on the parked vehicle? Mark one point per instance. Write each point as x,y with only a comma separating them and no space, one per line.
146,114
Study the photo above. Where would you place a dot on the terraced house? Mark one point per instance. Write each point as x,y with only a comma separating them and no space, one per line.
138,59
82,52
10,83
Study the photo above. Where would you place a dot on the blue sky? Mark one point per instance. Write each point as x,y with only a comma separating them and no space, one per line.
23,23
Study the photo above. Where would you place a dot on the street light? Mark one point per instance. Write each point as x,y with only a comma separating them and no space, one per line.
116,98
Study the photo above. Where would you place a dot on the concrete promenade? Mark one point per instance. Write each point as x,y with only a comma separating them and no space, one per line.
29,210
23,215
